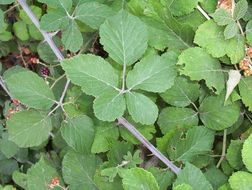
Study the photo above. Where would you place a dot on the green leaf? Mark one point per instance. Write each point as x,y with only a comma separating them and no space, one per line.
216,177
20,179
191,175
34,32
241,181
136,178
249,32
153,74
29,128
183,186
222,17
21,31
215,115
105,135
24,17
235,49
124,37
172,117
72,37
2,28
93,13
79,170
180,7
141,108
40,175
8,166
92,73
54,21
245,87
29,88
182,93
78,132
64,5
184,147
5,2
164,178
215,43
200,65
8,148
234,154
247,153
109,106
231,30
240,9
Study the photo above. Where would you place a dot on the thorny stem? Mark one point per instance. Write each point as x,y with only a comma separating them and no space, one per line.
224,145
50,42
147,144
121,121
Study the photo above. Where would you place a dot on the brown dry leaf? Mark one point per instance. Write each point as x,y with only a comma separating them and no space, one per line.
225,4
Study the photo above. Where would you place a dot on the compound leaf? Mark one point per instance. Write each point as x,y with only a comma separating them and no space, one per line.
124,37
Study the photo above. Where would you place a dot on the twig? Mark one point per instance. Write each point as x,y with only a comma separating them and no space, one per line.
147,144
121,121
224,145
239,26
203,12
12,7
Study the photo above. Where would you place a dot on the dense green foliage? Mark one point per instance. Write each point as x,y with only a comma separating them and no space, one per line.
179,71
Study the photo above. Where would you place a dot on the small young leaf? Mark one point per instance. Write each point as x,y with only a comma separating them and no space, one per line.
247,153
222,17
240,9
141,108
124,37
29,128
234,78
138,177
